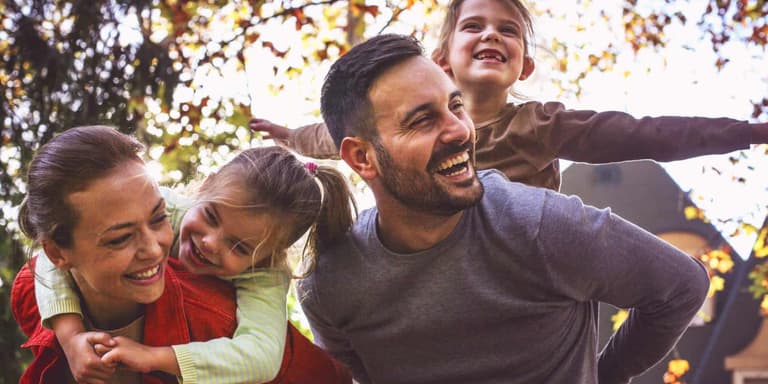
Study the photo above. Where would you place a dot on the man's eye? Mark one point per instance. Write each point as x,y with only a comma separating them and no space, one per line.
421,121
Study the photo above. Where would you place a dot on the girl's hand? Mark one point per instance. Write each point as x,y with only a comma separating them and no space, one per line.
139,357
269,129
86,366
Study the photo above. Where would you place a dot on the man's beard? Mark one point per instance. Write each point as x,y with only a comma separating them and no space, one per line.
422,192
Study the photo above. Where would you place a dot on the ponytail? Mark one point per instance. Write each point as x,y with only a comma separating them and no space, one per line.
335,217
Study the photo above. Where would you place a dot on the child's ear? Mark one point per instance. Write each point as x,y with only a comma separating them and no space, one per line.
442,61
360,156
57,256
528,66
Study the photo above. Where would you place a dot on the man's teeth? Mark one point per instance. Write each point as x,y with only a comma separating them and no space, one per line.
461,158
146,274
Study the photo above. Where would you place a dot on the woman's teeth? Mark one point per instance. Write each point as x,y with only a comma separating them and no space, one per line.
145,274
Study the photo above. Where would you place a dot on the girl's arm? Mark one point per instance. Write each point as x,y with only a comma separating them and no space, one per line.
255,352
603,137
59,308
311,140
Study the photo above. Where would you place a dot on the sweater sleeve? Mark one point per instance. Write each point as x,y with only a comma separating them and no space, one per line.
595,255
603,137
327,336
312,140
54,292
255,352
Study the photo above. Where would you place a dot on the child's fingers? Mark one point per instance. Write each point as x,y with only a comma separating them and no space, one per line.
110,358
101,349
100,338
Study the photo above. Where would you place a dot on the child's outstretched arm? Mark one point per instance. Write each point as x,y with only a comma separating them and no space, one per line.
311,140
59,309
603,137
255,352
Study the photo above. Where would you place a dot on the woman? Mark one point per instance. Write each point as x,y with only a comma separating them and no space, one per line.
99,216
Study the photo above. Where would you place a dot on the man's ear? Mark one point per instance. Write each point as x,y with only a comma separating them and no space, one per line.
58,257
528,66
360,156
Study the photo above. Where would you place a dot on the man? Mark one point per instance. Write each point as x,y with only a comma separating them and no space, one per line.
459,277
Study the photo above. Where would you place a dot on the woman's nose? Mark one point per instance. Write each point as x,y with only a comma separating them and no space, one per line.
152,247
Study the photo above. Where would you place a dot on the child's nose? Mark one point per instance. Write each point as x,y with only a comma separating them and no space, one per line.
208,245
491,34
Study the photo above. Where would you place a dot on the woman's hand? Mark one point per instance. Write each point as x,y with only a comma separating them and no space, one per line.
84,363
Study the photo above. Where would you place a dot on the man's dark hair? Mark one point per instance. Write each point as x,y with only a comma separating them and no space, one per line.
344,101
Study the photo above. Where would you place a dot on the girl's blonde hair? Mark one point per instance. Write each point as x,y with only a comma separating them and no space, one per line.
452,17
297,197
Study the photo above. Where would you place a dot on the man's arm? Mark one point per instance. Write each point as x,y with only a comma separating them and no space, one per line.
327,336
311,140
595,255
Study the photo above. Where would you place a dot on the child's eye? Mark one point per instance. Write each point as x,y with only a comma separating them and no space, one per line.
513,31
210,216
470,27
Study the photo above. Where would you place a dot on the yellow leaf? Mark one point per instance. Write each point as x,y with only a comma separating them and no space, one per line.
716,284
764,305
691,213
760,249
618,318
678,367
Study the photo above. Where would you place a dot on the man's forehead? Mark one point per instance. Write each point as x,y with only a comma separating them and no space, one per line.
413,82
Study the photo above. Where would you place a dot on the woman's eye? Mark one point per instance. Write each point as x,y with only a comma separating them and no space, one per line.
160,218
119,240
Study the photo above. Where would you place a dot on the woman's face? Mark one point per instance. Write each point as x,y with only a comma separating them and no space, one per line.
122,239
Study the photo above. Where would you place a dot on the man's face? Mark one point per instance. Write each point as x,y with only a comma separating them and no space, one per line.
425,144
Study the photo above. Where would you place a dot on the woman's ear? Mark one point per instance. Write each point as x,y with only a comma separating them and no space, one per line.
58,256
360,156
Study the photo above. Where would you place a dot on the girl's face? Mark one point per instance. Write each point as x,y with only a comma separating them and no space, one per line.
220,239
487,47
121,242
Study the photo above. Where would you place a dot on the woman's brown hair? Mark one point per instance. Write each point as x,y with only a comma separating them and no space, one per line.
68,163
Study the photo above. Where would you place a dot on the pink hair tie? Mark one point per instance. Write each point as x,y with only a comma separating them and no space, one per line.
311,167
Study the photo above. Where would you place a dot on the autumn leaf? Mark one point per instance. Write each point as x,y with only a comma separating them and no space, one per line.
760,249
619,318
